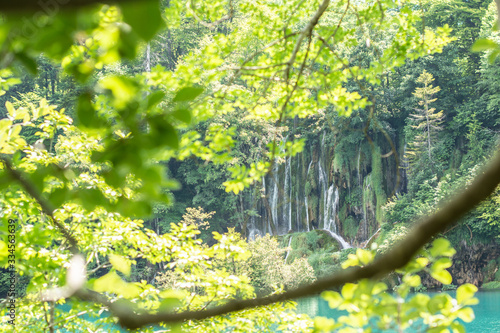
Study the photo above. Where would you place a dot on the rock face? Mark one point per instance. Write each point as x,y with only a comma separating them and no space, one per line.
473,263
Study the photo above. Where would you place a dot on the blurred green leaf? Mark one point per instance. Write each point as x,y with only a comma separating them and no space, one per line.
187,94
483,45
143,16
120,264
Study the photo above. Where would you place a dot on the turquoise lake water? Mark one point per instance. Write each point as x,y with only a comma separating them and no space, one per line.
487,312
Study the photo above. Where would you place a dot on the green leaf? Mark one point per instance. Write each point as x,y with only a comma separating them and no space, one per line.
86,112
187,94
465,292
439,302
348,290
90,198
108,283
483,45
127,43
322,324
143,16
163,132
28,62
120,264
3,250
412,280
10,109
457,328
441,264
442,276
364,256
155,98
58,197
441,247
169,304
493,56
183,115
466,314
333,298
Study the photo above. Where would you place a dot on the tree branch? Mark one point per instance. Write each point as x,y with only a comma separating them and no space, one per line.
307,32
44,204
484,185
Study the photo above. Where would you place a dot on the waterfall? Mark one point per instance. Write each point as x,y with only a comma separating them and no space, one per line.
330,214
323,183
369,239
253,231
274,198
297,205
403,168
342,242
264,225
359,166
305,198
287,206
331,208
288,250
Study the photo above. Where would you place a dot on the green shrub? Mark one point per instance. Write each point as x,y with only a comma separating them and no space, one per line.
491,285
312,239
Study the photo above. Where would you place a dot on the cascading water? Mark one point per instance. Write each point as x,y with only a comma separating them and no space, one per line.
298,207
274,198
359,167
342,241
305,198
287,206
369,239
288,251
403,167
282,192
253,231
331,208
323,182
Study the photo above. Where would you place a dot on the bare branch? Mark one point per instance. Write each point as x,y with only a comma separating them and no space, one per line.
307,32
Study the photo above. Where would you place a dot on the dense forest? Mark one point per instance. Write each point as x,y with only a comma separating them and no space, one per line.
169,158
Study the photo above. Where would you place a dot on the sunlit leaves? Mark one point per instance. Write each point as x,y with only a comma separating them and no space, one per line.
369,299
441,247
465,294
120,263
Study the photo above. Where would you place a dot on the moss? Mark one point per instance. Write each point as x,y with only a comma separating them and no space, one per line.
320,249
298,253
312,239
489,271
298,241
491,285
350,227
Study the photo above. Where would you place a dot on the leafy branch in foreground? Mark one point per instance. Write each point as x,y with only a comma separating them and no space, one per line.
136,122
394,259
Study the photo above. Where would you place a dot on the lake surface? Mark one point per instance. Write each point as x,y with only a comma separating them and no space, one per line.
487,312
